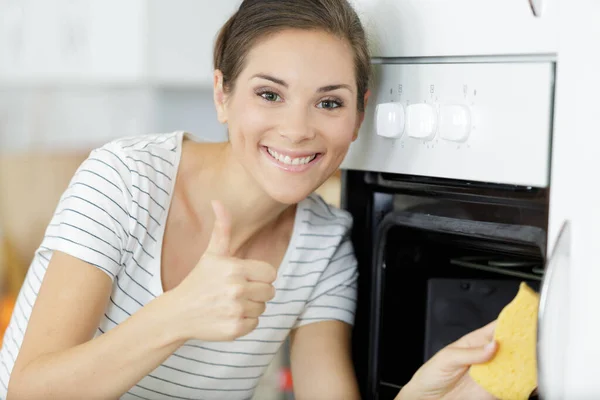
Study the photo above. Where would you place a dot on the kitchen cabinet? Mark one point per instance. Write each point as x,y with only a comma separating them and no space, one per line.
156,42
71,41
181,38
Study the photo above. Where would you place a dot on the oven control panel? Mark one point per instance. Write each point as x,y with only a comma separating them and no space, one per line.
488,122
422,121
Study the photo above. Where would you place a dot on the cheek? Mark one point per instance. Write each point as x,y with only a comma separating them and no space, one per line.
340,132
247,122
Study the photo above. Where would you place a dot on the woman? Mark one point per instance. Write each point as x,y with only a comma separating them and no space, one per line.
176,269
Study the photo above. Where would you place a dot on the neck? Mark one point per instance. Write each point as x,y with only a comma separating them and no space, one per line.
249,207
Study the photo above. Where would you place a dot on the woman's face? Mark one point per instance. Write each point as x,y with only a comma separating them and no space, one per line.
293,112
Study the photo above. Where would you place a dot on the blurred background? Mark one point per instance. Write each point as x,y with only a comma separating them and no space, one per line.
75,74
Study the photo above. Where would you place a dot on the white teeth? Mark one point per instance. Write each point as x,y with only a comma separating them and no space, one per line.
290,161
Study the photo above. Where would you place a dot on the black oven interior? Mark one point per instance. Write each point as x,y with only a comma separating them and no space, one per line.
437,259
437,287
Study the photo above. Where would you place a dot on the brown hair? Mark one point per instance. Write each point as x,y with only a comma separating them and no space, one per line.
257,18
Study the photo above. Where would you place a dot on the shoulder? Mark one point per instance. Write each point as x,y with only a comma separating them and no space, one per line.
322,228
137,170
158,150
125,161
160,142
326,264
317,212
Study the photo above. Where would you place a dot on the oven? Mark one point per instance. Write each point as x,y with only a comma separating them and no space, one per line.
459,190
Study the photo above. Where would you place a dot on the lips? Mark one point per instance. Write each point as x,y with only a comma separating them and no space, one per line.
286,159
291,161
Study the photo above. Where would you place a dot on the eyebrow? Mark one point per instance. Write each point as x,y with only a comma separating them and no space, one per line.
323,89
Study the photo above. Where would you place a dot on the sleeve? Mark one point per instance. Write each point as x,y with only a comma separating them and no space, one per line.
334,297
92,217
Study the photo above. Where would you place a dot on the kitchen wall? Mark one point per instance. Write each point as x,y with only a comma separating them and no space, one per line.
82,117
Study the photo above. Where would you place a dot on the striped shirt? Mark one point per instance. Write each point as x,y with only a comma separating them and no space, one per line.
113,214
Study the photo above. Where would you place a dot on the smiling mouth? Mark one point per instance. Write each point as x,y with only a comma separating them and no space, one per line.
287,160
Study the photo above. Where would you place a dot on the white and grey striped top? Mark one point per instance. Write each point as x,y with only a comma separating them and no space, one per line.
113,216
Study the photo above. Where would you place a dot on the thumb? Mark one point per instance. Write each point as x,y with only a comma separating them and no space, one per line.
462,357
221,233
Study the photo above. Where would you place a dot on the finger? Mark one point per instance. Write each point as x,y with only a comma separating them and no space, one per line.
258,271
460,357
479,337
489,329
259,291
245,326
221,233
253,309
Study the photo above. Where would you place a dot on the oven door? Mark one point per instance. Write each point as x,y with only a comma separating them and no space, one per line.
437,278
437,259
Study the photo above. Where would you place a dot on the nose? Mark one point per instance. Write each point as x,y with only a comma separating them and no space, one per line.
296,125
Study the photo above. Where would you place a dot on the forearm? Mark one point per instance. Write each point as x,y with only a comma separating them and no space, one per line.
104,367
321,362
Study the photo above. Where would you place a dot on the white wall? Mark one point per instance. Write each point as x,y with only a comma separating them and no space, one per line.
80,117
77,73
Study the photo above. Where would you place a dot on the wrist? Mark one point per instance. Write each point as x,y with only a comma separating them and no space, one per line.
407,393
168,320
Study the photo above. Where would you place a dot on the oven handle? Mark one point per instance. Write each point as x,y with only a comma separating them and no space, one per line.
478,192
552,311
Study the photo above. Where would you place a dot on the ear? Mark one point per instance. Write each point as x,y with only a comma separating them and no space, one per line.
361,115
219,96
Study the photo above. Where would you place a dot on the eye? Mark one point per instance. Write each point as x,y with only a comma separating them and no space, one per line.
269,96
330,104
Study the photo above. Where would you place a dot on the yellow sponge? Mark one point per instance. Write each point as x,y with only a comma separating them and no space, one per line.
512,373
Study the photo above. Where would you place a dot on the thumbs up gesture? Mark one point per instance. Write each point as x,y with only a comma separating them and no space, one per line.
223,296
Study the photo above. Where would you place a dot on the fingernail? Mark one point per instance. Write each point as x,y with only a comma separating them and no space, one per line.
490,345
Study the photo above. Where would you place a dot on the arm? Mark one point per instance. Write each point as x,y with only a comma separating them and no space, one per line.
321,338
321,362
321,341
59,361
58,358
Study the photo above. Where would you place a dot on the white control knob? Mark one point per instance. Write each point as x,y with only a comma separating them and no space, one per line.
421,121
389,120
455,122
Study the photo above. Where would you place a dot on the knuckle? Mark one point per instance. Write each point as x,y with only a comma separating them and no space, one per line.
230,333
273,275
272,292
234,269
262,308
239,327
236,291
236,311
250,325
271,272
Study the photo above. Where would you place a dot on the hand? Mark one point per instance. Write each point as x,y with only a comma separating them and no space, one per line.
445,375
222,297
